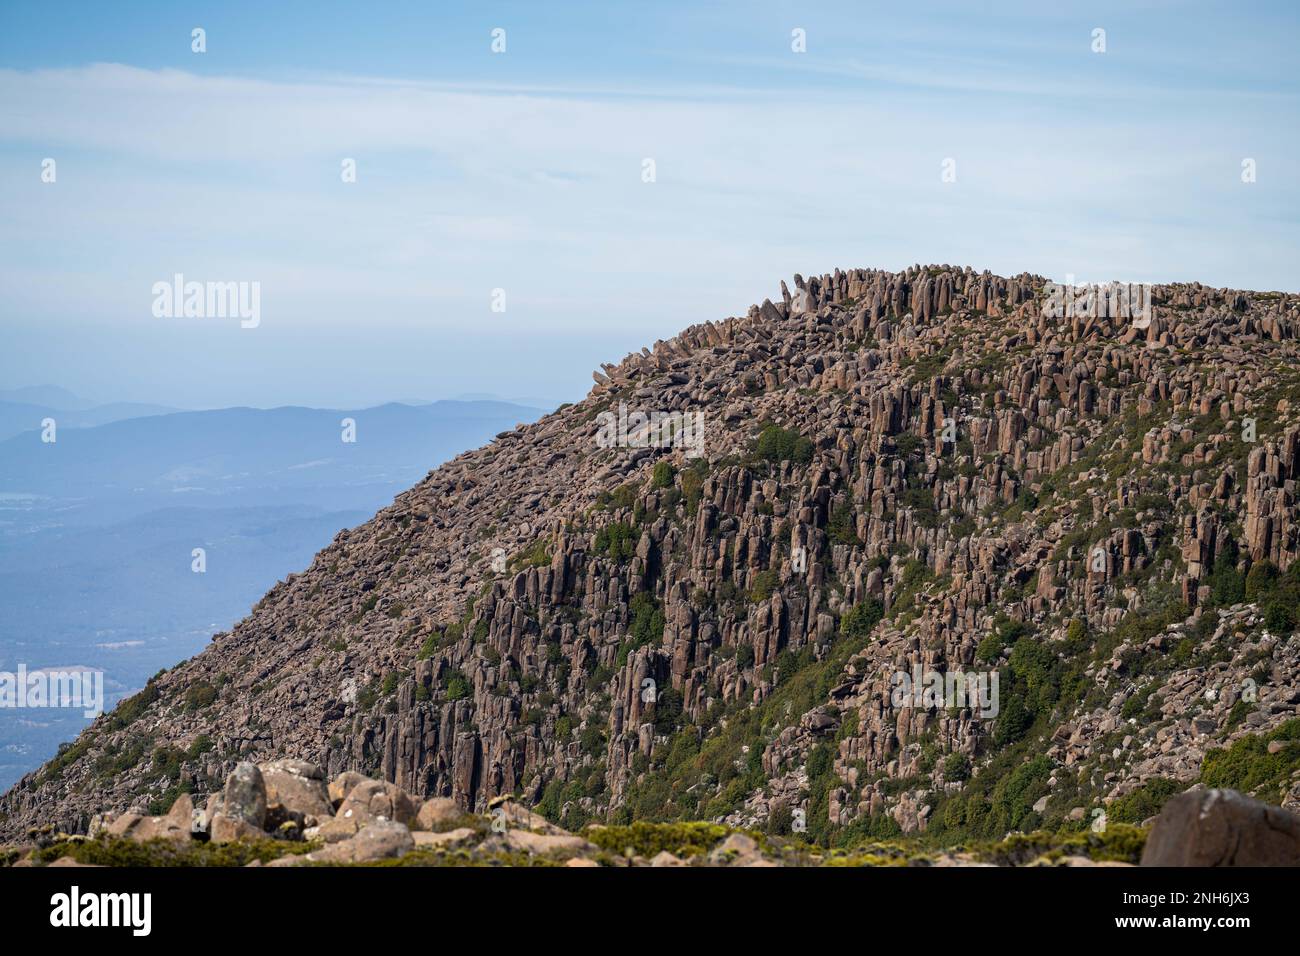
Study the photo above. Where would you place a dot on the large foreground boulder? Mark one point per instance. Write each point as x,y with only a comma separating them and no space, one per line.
368,801
297,788
1222,828
436,813
342,785
378,840
174,826
548,844
239,811
244,797
507,814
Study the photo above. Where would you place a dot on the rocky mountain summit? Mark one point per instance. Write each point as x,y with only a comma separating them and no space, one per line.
702,593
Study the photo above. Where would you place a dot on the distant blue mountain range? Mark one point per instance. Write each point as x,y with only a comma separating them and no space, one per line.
98,527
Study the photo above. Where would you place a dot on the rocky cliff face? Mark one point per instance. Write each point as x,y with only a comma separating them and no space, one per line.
918,473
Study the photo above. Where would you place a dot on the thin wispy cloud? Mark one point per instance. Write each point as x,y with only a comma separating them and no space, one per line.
533,184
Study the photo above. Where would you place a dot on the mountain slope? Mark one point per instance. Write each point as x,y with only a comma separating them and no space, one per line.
1092,533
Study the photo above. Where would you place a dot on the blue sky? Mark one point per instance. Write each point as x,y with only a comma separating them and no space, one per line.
523,171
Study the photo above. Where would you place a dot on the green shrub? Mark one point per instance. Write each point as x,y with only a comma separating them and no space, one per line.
618,540
624,496
989,649
908,444
1227,586
1261,580
1120,842
592,739
840,527
692,489
1013,720
920,500
1249,767
663,474
783,444
1016,793
1279,617
535,555
1144,802
133,708
780,821
1035,667
668,711
199,695
1006,631
764,584
1137,703
115,761
367,696
820,761
683,840
106,850
457,686
860,619
645,625
956,768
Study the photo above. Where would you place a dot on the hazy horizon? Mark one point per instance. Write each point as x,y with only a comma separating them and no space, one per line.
95,400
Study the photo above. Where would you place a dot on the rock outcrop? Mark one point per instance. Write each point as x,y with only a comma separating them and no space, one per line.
1222,828
510,835
610,613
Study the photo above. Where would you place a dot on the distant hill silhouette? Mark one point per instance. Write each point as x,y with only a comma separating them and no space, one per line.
97,528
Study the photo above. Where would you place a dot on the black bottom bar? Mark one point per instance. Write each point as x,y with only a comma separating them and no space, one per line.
322,905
